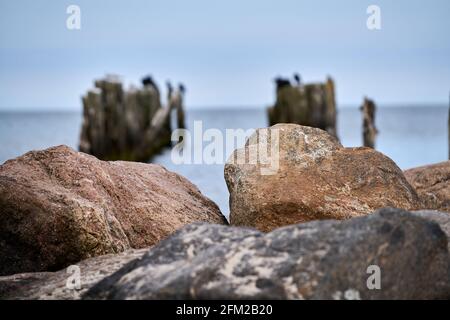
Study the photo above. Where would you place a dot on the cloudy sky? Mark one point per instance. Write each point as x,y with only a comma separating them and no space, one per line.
227,53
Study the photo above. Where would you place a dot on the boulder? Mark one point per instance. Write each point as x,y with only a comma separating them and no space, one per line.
432,184
61,285
59,206
441,218
311,176
316,260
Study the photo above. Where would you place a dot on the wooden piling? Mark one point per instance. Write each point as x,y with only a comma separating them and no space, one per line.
370,131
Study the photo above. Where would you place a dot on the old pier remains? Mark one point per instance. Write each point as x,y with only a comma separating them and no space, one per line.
368,110
311,104
127,124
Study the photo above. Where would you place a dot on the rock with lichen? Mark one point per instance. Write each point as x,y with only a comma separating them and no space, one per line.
391,254
432,183
62,285
313,177
315,260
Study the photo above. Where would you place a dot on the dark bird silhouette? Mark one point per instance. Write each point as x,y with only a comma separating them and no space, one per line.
298,79
148,81
181,88
169,90
282,82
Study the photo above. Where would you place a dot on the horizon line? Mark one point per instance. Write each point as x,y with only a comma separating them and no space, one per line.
236,107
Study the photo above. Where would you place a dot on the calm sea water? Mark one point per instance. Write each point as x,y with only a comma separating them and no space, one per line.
411,136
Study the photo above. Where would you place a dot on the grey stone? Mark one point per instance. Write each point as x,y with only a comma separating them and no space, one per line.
53,285
442,218
317,260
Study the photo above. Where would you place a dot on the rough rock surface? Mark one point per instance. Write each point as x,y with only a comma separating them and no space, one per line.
442,218
53,285
317,178
432,184
370,131
315,260
59,206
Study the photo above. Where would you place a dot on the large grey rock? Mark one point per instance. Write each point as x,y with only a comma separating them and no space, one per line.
53,285
315,260
442,218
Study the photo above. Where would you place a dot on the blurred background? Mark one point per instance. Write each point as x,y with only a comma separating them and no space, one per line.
227,55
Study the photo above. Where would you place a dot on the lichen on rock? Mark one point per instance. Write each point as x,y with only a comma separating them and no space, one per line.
316,178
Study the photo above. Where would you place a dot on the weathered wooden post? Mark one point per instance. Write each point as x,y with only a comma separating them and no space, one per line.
330,113
307,104
127,124
180,112
369,130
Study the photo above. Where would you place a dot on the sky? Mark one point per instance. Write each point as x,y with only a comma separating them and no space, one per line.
227,53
